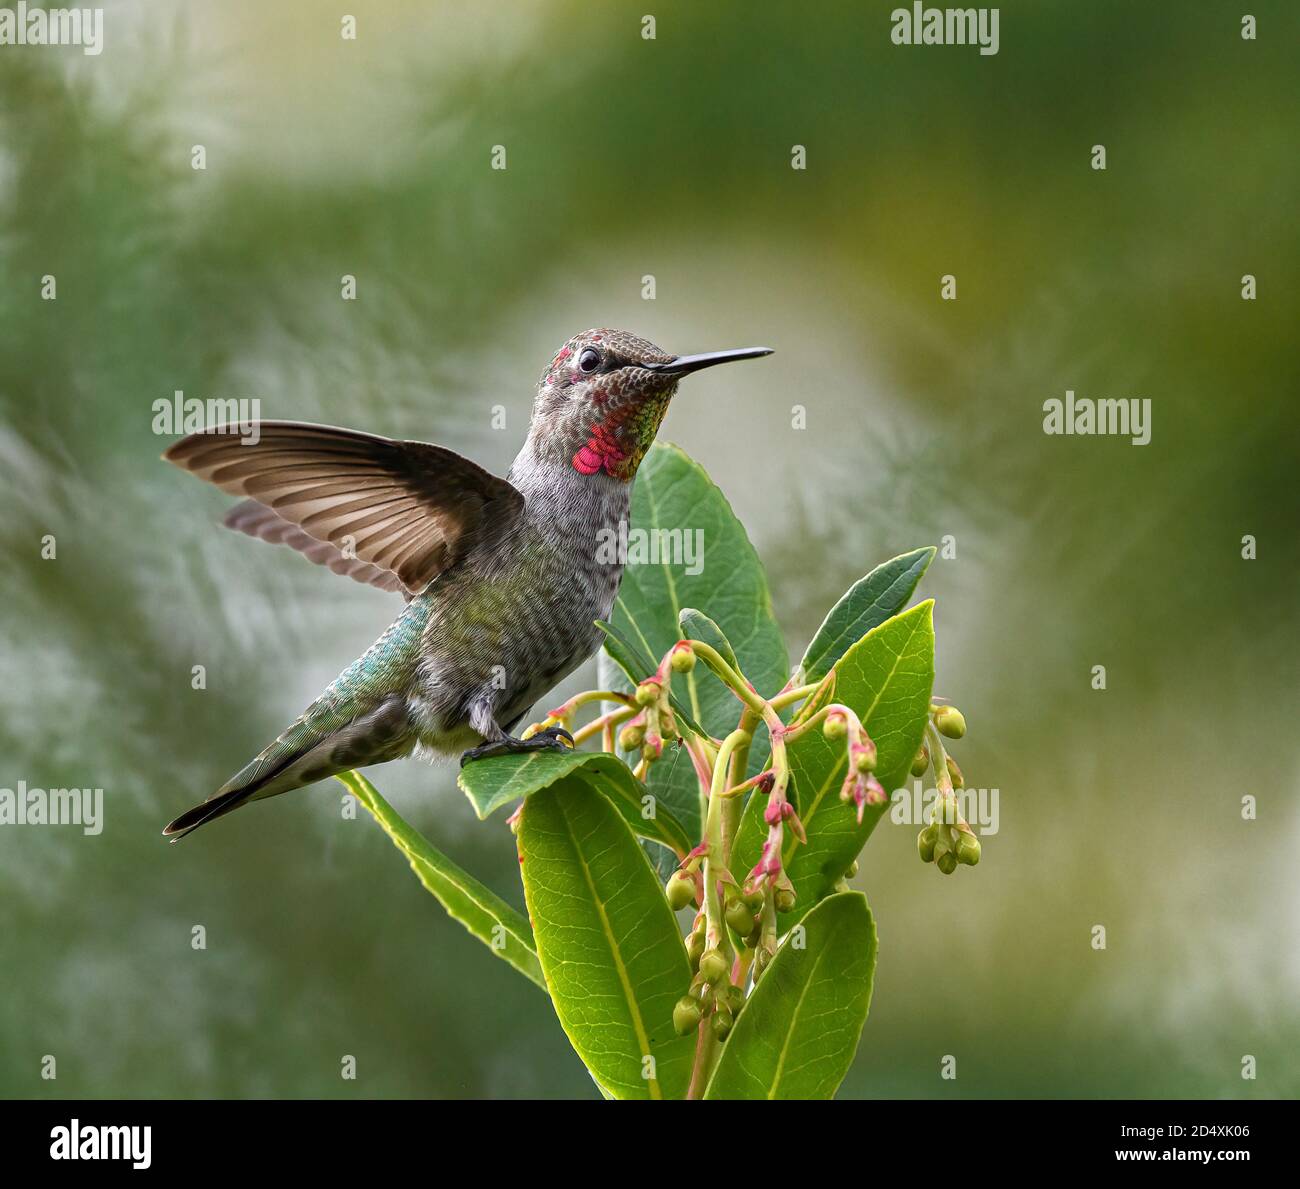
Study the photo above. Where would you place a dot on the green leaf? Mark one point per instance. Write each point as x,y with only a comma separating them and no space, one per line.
609,944
674,498
497,781
799,1030
632,659
886,679
870,601
478,908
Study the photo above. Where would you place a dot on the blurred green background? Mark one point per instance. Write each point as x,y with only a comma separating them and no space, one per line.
670,157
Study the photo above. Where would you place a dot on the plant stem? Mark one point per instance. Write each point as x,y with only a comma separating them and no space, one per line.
814,721
605,721
716,935
732,807
714,857
706,1057
790,696
729,677
939,758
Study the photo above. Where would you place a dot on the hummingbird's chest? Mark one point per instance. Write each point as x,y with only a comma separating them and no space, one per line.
572,543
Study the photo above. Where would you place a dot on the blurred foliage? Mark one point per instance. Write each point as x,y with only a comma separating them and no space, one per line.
668,157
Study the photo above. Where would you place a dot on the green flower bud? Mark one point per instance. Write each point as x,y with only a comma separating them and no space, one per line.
921,761
720,1022
713,966
735,1000
680,890
683,660
958,780
865,758
762,960
784,899
740,918
695,949
853,870
947,862
835,727
925,841
754,901
647,693
686,1016
631,736
950,722
968,849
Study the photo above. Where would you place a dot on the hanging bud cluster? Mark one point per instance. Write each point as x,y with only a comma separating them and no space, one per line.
769,872
768,889
712,995
947,840
654,723
860,785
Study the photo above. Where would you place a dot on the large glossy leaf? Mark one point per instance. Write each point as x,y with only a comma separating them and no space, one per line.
478,908
798,1032
870,601
673,495
609,944
886,678
498,781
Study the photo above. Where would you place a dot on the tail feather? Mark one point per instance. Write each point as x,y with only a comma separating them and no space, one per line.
218,805
320,744
244,786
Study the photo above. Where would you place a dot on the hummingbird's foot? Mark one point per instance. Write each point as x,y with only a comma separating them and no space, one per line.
551,739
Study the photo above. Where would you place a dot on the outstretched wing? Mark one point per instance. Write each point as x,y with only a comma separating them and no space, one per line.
266,524
407,508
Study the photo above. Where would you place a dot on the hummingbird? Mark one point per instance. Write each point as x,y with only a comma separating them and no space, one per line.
503,578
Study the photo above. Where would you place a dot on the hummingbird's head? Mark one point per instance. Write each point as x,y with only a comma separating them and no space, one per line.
601,399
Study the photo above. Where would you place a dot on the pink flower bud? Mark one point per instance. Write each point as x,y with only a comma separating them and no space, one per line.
863,755
875,791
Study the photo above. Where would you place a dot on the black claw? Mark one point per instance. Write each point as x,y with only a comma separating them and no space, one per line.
551,739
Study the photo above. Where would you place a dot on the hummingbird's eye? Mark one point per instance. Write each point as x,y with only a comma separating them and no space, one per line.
589,360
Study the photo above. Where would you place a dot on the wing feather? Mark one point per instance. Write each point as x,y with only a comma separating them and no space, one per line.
409,509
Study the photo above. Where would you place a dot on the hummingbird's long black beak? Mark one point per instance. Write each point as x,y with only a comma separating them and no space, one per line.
682,364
